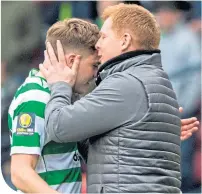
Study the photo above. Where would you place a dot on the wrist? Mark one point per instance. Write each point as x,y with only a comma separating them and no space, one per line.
59,80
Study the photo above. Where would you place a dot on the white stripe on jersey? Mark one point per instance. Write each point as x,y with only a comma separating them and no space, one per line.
40,167
35,80
14,125
62,161
25,150
39,127
32,95
68,187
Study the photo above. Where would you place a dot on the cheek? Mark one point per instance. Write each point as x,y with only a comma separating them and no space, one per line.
89,73
80,74
112,46
105,43
86,75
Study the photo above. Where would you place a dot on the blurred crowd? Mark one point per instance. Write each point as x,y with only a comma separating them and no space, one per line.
24,26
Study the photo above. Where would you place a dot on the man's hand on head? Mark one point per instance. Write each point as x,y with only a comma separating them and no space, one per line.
56,70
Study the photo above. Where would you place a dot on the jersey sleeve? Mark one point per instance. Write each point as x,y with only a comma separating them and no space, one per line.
27,130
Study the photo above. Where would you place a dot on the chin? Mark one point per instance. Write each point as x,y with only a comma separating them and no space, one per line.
104,60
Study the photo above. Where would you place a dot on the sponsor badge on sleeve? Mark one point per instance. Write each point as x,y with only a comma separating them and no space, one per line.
25,124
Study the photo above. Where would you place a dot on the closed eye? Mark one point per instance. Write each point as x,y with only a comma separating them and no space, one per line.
102,36
96,65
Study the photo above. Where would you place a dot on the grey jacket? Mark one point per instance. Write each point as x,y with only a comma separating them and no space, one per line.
133,123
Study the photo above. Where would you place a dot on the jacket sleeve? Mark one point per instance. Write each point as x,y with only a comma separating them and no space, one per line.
109,106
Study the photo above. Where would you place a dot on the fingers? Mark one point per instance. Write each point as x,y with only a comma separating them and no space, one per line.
194,129
189,129
76,63
181,109
189,126
43,70
51,54
185,133
47,62
184,137
188,121
61,54
192,126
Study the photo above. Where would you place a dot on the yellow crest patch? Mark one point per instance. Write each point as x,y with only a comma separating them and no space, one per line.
25,124
25,120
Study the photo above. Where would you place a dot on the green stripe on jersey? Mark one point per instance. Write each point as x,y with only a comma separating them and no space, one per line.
58,148
9,122
61,176
31,106
31,86
26,140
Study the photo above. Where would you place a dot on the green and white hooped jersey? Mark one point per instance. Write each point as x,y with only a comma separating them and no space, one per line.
58,163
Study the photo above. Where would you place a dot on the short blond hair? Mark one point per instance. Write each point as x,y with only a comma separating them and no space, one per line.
74,34
141,24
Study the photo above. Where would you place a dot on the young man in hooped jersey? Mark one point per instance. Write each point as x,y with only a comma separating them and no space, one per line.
47,166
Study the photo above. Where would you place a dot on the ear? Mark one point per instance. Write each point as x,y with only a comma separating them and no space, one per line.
70,59
126,42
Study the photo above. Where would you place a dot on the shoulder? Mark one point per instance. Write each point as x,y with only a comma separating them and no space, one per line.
122,80
123,84
33,88
31,96
32,84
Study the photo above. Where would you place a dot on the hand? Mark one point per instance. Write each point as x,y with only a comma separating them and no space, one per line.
55,70
188,126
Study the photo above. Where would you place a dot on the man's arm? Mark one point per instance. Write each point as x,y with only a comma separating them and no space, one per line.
104,109
27,139
25,177
94,114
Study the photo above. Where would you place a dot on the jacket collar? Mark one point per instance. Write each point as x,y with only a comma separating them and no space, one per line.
110,64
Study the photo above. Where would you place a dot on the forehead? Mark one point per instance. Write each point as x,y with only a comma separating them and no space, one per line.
93,57
106,27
